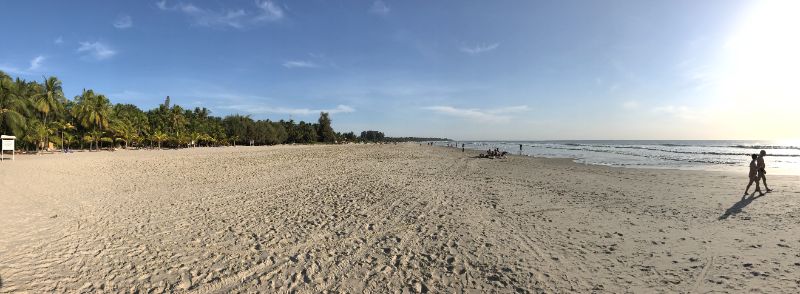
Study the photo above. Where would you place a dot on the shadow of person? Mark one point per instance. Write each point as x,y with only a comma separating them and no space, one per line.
738,206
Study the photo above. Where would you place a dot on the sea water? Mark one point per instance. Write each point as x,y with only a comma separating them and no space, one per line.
782,158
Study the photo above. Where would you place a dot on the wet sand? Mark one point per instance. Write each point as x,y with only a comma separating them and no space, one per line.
385,218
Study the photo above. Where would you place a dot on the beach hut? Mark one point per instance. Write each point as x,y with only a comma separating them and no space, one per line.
7,145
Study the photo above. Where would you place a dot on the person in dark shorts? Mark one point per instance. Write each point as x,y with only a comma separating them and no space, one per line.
753,176
762,173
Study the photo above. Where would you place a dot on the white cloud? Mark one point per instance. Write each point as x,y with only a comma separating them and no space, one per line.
269,11
502,114
36,62
299,64
123,22
379,7
11,69
96,50
59,40
162,5
236,18
262,109
682,112
630,104
478,49
509,109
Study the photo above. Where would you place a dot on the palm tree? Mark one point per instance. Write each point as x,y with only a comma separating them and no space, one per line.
35,133
50,99
207,138
159,137
12,107
93,112
124,130
177,121
196,137
87,138
63,127
109,140
67,140
95,135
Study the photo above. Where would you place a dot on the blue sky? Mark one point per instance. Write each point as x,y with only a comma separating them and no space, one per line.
458,69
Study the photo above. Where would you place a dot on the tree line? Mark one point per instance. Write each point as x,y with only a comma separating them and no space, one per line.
38,114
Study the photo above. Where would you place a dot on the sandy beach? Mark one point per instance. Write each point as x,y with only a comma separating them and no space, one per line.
385,219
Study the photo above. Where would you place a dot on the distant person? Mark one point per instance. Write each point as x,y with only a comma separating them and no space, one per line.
762,173
754,172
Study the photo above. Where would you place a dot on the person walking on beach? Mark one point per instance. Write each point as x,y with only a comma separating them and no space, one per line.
754,172
762,173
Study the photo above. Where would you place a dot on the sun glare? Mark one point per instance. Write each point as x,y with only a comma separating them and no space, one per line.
761,65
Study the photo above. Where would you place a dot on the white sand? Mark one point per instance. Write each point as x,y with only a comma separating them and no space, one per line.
392,218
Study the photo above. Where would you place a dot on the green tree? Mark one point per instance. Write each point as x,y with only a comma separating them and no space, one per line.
134,119
236,127
324,130
35,133
159,137
50,99
13,108
124,130
93,112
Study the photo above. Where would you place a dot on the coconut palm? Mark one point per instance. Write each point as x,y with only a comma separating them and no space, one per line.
35,133
87,138
124,130
50,99
109,140
93,112
13,108
95,135
67,140
63,127
177,121
196,137
159,137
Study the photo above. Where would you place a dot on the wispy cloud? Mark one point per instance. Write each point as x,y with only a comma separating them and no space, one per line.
35,65
682,112
12,70
269,11
502,114
380,8
123,22
36,62
263,109
96,50
265,11
478,49
630,104
299,64
59,40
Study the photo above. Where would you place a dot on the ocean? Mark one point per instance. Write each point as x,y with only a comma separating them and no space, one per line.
782,158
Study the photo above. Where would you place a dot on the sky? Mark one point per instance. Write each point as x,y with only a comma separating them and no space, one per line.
480,70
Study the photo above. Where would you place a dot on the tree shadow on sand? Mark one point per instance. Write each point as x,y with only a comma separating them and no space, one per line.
738,206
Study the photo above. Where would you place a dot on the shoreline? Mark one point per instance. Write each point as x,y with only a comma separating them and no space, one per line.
380,218
729,169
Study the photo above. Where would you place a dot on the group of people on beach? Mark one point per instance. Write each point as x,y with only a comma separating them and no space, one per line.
758,172
493,153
